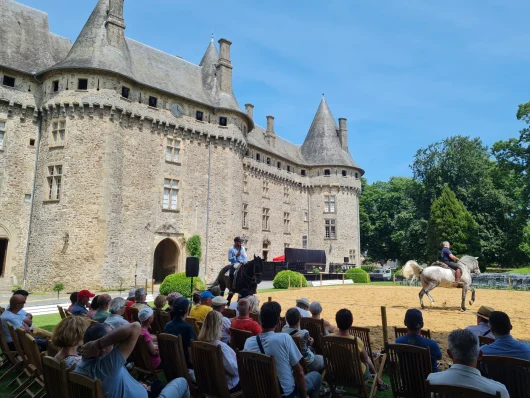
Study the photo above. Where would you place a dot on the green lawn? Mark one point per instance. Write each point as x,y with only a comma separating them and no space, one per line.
520,271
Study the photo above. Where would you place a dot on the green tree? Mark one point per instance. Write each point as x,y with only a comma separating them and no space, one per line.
58,287
193,246
449,220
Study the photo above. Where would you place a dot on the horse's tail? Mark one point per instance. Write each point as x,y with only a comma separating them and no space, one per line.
412,269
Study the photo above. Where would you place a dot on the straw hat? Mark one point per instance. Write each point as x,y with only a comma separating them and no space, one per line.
484,312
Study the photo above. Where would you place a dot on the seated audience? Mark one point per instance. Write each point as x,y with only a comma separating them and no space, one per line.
243,294
302,305
160,302
93,307
344,319
146,317
316,310
219,304
314,362
282,347
196,298
252,298
199,311
243,321
128,304
116,309
27,318
482,328
211,333
104,354
171,299
178,326
68,336
103,305
216,291
505,345
73,300
414,323
140,297
465,352
83,297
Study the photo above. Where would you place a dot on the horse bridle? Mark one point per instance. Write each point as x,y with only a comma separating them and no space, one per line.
253,278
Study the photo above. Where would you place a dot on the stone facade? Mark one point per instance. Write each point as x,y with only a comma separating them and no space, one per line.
110,200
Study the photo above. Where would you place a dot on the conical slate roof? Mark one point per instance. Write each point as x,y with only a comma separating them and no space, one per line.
322,145
209,68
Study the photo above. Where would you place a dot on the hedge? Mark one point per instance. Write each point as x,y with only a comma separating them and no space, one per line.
180,284
358,275
281,280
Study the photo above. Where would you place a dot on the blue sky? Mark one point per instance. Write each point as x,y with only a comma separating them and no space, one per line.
404,73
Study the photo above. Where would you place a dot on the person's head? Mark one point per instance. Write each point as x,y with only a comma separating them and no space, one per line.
243,293
160,301
70,331
180,309
117,306
414,320
94,303
196,297
243,307
16,303
302,303
104,301
270,314
237,242
73,297
315,309
83,297
139,295
146,317
206,298
95,332
219,303
483,314
500,323
131,297
344,319
21,292
211,328
216,291
171,297
446,244
292,316
464,348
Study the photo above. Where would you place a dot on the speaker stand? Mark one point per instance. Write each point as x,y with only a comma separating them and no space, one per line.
191,289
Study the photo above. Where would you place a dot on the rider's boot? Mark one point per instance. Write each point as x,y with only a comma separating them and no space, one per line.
458,282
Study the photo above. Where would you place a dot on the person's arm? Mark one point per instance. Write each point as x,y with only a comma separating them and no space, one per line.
299,379
453,257
329,327
229,360
126,336
232,256
435,350
153,349
28,320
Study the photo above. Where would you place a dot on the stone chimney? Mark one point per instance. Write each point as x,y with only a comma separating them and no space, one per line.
116,25
270,135
225,66
342,132
249,108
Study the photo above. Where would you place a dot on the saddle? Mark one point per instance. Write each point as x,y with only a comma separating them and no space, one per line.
443,265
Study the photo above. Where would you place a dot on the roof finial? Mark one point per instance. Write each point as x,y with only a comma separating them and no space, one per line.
322,95
212,36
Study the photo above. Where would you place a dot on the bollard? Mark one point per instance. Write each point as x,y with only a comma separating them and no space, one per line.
153,287
320,279
394,279
343,278
289,285
146,290
385,325
301,281
270,299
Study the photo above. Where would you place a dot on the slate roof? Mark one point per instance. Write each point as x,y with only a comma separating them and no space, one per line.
282,147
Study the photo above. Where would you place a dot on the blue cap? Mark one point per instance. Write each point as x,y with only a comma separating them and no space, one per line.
207,295
414,319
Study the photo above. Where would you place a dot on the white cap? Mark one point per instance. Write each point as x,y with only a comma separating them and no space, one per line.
145,314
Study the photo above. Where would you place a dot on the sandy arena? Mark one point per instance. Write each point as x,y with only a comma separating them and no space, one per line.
365,301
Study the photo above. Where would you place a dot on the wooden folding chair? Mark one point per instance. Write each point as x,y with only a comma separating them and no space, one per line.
51,349
67,313
229,313
303,362
163,318
142,359
258,376
483,340
61,311
255,317
364,335
439,391
514,373
26,366
55,377
238,338
408,367
13,359
35,359
280,325
173,359
134,314
81,386
193,322
155,326
316,330
209,370
403,331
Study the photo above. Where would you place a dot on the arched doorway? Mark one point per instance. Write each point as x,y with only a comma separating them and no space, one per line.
3,255
166,260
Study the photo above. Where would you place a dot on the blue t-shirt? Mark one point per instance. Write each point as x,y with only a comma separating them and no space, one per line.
446,254
13,319
178,327
507,346
116,382
78,310
420,341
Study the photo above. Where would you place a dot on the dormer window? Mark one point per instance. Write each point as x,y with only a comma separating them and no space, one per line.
82,84
9,81
55,86
199,115
125,92
344,173
223,121
258,157
288,168
279,165
327,172
302,173
153,101
269,161
356,175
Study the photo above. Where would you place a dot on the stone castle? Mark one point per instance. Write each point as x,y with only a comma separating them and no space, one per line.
113,153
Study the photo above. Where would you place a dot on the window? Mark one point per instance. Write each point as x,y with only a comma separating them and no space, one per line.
327,172
344,173
304,241
55,174
306,215
258,157
32,142
286,222
245,183
352,255
82,84
9,81
286,194
302,173
223,121
199,115
2,134
331,232
171,190
279,164
265,219
55,86
153,101
58,133
329,203
265,188
288,168
125,92
269,161
172,150
356,175
245,215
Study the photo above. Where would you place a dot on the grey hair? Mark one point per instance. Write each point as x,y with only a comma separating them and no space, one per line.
445,243
139,293
116,304
315,308
464,346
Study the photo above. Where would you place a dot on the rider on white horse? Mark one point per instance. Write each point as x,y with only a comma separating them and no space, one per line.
236,256
451,260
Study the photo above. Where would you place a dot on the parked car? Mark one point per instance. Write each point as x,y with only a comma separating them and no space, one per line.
381,274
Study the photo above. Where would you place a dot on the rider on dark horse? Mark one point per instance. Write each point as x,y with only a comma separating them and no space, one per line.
449,258
237,256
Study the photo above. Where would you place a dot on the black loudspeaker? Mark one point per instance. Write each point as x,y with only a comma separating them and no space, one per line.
192,267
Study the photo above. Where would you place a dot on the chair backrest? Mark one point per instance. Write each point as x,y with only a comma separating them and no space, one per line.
32,351
440,391
255,317
163,318
61,311
408,367
67,313
141,358
514,373
155,326
12,357
81,386
16,343
238,338
483,340
403,331
173,359
316,330
51,349
193,322
209,371
229,313
55,377
303,362
343,363
280,325
258,376
134,314
364,335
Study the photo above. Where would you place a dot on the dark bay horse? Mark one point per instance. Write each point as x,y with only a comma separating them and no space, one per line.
248,274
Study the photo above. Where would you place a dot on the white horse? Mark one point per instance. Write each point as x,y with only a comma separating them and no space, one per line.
435,275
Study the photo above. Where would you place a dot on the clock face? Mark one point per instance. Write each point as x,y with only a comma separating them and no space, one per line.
176,110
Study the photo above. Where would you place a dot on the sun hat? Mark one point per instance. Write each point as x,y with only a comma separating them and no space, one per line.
219,301
414,319
85,294
484,312
145,314
303,301
207,295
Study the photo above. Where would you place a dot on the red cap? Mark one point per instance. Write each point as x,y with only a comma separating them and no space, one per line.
84,294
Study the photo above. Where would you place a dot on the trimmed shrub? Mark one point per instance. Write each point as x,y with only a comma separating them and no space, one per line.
281,280
369,268
358,275
180,284
193,246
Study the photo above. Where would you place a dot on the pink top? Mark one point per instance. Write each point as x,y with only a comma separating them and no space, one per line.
155,360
